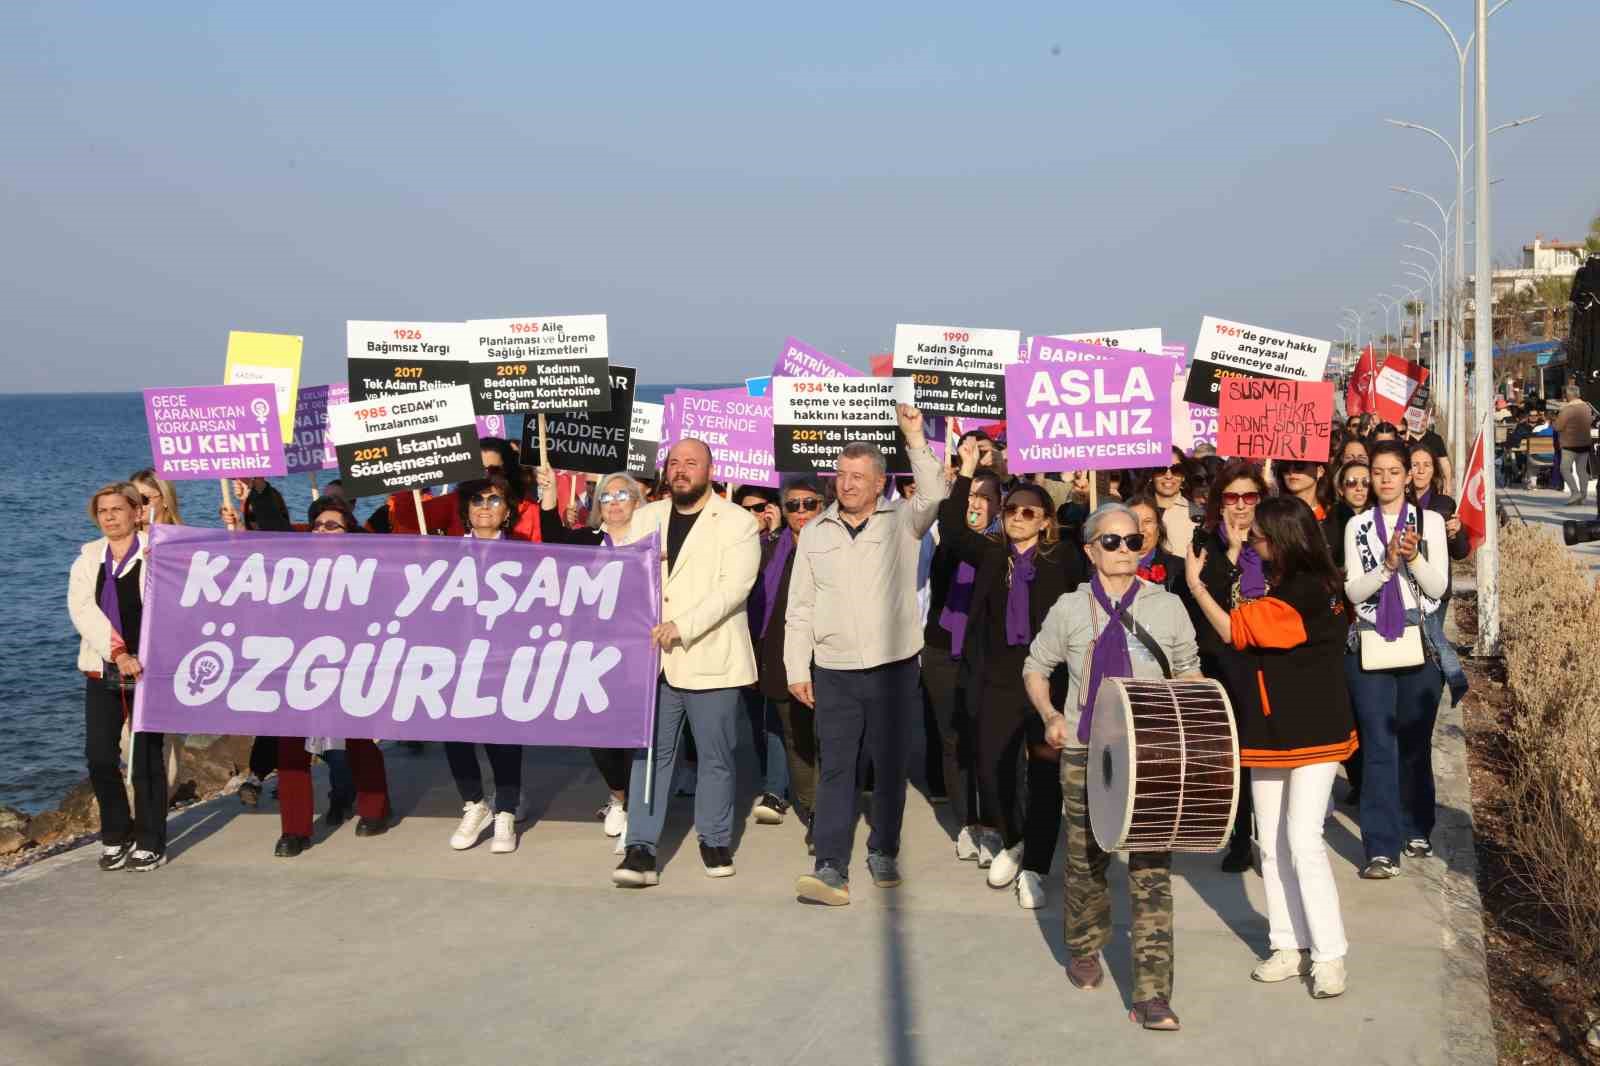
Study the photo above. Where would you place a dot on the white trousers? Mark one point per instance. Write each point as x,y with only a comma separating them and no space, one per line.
1302,899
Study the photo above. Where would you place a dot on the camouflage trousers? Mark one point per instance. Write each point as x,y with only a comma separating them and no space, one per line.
1087,910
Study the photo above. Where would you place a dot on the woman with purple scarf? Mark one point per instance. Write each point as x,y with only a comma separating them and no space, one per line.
1087,632
1397,569
1017,577
1234,575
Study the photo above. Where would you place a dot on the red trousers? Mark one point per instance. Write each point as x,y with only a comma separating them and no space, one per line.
295,805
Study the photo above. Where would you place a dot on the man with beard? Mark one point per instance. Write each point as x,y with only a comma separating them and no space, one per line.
710,553
851,641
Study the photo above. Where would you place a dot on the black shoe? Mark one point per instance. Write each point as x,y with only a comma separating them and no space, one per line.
142,860
115,856
717,861
1237,860
290,845
250,793
372,827
1417,848
336,816
637,868
811,841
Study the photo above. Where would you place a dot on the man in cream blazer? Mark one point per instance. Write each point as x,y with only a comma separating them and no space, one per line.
710,552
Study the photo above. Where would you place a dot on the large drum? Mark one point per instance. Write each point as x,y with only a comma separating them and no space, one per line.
1163,766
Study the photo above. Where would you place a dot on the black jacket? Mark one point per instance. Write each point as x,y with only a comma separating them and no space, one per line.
771,677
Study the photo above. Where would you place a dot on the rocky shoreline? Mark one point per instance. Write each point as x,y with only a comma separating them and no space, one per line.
208,766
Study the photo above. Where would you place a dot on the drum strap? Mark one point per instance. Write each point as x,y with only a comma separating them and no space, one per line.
1132,626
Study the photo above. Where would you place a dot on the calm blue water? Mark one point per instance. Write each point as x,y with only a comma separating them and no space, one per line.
54,451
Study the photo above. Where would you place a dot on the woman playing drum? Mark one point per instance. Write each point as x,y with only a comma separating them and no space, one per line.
1085,633
1294,736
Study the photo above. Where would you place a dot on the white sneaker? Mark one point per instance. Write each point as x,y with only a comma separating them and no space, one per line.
474,816
1030,890
616,819
621,848
1327,979
967,844
1282,965
505,834
989,845
1005,867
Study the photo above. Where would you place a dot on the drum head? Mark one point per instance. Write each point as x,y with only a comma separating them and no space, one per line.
1112,769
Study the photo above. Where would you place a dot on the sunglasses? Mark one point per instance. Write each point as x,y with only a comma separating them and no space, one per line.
487,500
1023,511
757,508
152,500
1176,470
1296,466
1357,482
809,503
331,526
1112,541
1249,499
615,497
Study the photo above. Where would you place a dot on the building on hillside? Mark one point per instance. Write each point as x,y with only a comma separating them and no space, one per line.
1541,259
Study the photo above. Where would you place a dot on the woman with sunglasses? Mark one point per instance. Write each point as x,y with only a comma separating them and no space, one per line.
1169,486
1018,577
1396,572
944,679
1087,633
1352,487
609,521
160,500
1234,574
1157,564
355,766
1294,736
1303,480
486,512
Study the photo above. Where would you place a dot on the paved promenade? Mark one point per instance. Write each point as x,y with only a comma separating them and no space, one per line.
398,950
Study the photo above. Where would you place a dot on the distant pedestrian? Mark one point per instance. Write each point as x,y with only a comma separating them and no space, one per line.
1576,438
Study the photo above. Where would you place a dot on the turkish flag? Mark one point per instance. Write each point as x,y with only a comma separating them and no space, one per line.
1471,510
1358,393
1397,381
882,365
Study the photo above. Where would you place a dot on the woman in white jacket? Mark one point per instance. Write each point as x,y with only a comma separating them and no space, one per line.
105,598
1396,569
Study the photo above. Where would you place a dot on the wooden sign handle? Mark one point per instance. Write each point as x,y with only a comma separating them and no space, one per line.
544,444
416,500
227,501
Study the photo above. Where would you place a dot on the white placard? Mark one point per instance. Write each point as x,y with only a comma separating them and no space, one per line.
408,341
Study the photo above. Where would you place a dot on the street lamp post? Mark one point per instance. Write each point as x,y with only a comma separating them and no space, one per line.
1483,347
1357,314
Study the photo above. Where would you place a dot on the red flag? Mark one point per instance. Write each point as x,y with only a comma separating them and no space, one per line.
1358,394
1397,381
882,365
1470,510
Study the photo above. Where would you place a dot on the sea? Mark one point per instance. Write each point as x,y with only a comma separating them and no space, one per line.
54,451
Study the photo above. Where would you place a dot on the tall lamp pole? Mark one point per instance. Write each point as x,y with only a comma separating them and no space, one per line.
1483,345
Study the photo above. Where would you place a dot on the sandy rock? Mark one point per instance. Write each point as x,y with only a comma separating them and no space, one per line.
12,841
81,808
49,827
11,818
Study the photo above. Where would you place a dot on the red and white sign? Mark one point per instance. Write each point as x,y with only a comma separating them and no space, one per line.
1471,508
1398,380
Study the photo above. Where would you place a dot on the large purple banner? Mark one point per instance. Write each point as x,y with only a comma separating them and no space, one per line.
402,638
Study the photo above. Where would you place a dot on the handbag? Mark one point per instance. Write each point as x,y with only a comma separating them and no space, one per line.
1404,651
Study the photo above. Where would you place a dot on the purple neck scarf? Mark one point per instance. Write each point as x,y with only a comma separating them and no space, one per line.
1391,602
1252,574
1425,499
766,590
110,603
1019,627
1110,658
953,619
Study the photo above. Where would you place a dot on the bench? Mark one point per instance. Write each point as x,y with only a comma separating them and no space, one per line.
1541,455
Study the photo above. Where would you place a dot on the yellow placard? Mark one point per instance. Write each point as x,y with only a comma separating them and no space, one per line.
273,358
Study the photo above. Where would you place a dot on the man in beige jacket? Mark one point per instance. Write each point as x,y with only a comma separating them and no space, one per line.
851,641
1576,442
710,553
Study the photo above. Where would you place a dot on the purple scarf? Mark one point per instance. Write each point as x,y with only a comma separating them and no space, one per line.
1391,603
766,590
953,619
110,604
1252,574
1425,499
1110,658
1019,627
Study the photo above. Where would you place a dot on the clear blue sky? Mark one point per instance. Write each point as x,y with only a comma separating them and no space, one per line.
717,177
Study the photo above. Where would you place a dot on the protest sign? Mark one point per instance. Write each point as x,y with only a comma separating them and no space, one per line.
539,364
957,370
589,442
1147,340
1078,406
1178,352
671,426
390,443
814,418
761,386
1266,418
398,638
493,426
800,360
215,431
736,426
644,437
1235,349
1397,382
1416,420
271,358
395,358
311,448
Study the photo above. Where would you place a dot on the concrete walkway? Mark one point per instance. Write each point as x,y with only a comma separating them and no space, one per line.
398,950
1548,508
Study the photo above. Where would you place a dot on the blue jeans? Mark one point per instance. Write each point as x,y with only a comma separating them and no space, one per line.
341,780
712,716
766,729
1395,710
1449,659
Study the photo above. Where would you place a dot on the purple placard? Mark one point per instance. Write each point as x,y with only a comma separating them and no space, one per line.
736,427
492,426
800,360
1203,424
215,431
312,447
1077,406
670,428
399,638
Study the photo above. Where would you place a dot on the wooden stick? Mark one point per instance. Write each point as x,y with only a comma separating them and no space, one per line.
227,499
422,523
316,493
1094,491
544,444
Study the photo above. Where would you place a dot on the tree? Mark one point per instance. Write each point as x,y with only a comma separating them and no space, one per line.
1554,296
1592,242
